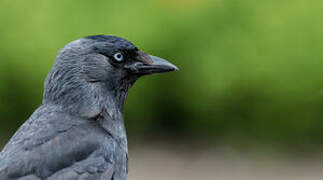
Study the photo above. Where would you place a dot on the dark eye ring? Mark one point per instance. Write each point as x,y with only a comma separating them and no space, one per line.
118,56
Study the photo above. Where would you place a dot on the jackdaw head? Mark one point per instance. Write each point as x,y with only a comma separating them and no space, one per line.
108,62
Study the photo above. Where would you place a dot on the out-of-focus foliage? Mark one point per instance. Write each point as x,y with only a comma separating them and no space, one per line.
248,69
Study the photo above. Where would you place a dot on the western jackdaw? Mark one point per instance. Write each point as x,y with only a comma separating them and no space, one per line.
78,131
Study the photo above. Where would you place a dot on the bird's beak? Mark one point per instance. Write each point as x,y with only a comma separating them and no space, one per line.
148,64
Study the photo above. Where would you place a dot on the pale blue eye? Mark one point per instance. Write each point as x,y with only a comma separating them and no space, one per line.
118,57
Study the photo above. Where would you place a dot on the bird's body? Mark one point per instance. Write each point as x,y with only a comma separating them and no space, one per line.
53,144
78,132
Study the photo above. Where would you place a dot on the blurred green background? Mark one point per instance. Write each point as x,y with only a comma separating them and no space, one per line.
250,71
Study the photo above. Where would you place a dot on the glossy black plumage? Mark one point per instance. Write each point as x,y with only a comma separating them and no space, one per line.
78,131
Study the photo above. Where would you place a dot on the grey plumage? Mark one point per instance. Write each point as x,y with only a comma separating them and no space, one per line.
78,131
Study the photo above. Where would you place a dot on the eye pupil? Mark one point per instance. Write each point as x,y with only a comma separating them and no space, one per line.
118,57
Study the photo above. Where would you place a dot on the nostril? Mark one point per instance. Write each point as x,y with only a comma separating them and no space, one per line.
144,58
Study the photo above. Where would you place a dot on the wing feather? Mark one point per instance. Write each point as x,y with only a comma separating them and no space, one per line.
53,144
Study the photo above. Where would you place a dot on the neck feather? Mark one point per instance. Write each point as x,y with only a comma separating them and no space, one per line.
78,97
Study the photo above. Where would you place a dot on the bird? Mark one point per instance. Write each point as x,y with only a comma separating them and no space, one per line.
78,131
